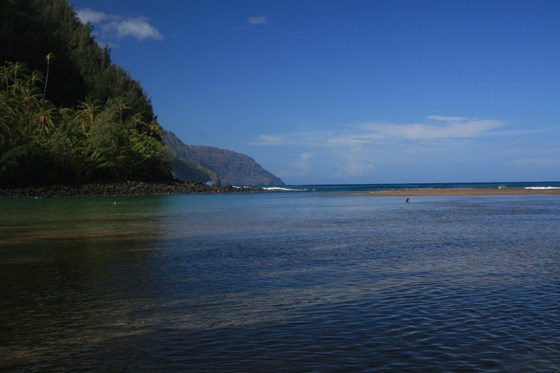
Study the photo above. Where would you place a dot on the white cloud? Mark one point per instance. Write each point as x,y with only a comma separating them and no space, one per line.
361,150
113,26
271,140
138,28
317,138
456,128
440,147
445,118
376,133
302,166
88,15
257,20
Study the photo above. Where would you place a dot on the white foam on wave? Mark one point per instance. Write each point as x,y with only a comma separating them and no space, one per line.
284,189
542,187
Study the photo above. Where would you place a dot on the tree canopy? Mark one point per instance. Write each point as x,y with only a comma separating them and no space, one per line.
67,113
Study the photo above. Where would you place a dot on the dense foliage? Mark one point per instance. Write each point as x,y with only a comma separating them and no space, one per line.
67,114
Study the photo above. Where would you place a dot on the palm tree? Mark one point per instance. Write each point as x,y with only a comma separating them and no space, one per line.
121,104
10,74
36,77
86,113
5,75
48,58
45,112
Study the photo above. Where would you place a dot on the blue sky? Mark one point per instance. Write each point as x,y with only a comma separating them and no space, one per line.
353,91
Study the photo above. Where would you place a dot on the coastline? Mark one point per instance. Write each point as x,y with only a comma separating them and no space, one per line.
123,189
138,188
462,192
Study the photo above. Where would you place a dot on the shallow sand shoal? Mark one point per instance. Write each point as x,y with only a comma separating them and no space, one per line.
462,191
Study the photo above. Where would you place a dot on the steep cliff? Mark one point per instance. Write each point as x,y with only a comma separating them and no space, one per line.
210,164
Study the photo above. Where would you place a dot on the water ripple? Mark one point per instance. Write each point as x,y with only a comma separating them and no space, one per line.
318,285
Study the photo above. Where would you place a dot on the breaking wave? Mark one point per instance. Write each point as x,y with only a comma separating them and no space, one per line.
283,189
542,187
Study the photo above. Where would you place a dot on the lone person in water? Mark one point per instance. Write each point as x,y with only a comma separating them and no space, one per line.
407,200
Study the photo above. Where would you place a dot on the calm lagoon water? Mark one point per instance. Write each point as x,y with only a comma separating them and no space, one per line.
302,282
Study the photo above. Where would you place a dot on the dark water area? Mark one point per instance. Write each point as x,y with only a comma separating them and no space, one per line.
289,282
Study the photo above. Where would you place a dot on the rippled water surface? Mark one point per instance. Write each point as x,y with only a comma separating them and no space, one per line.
280,282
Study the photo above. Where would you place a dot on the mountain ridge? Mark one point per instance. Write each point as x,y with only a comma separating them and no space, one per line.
215,165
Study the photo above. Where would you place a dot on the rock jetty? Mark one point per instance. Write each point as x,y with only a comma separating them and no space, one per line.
129,188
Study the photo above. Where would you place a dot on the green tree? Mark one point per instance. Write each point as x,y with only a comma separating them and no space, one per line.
85,119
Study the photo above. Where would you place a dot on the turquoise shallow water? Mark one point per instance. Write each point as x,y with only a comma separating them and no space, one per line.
281,282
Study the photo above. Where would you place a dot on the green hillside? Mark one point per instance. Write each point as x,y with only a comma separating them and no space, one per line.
67,113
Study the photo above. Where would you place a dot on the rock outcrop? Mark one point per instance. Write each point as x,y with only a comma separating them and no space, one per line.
129,188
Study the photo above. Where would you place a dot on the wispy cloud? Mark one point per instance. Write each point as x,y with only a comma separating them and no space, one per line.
303,164
456,128
111,26
316,138
445,118
366,133
138,28
91,16
362,149
257,20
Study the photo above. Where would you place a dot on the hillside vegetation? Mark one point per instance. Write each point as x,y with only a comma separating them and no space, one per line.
67,113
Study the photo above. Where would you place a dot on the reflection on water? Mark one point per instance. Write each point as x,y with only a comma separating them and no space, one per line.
280,283
69,270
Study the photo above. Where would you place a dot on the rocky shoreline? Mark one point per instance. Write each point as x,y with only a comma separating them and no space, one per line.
130,188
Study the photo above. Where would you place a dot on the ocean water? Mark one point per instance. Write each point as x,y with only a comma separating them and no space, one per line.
281,282
349,188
